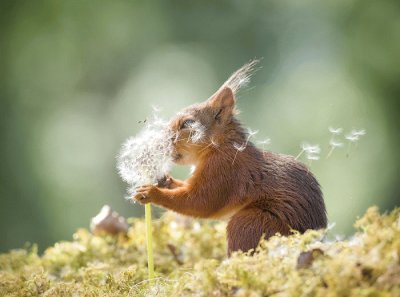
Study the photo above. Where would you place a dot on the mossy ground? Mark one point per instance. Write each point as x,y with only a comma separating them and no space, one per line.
190,260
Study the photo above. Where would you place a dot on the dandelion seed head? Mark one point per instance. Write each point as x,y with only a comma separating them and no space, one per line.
335,131
145,158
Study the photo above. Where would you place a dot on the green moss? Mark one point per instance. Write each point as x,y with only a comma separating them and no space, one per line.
190,261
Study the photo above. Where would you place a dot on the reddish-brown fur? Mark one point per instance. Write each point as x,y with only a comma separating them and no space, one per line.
263,193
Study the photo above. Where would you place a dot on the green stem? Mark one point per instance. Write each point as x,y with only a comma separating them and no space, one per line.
149,238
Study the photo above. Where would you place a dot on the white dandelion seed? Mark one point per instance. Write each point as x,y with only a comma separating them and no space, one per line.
335,131
242,147
361,132
309,149
251,133
355,135
266,141
352,138
312,152
312,157
332,142
239,147
335,144
147,157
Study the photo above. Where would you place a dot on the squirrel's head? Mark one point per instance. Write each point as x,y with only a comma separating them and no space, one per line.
203,127
200,126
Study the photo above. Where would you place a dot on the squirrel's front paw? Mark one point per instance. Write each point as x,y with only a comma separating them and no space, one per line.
168,182
146,194
164,182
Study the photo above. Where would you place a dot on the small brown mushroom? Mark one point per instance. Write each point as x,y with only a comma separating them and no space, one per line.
306,259
108,221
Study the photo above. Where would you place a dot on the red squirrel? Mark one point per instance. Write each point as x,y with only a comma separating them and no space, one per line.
262,193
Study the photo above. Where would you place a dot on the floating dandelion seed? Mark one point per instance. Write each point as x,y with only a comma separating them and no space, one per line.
352,137
310,150
355,135
242,147
361,132
335,131
239,147
334,144
264,142
312,157
251,133
313,149
147,157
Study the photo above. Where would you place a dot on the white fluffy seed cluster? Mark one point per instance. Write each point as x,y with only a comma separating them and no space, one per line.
145,158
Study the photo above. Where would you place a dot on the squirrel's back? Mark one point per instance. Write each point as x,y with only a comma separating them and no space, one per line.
275,183
292,193
281,195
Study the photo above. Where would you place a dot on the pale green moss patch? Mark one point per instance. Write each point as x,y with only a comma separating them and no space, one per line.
190,260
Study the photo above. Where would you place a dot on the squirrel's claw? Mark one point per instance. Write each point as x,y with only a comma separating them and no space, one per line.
165,182
144,194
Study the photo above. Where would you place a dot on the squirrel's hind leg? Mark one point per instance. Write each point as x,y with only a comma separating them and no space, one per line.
246,228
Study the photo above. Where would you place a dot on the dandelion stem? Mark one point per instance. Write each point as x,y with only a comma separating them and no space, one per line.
149,239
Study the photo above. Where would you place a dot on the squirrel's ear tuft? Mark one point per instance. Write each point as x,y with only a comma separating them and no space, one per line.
223,102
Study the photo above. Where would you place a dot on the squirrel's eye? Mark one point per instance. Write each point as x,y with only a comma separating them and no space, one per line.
218,114
187,123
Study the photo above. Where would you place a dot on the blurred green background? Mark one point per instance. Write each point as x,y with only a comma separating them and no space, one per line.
76,77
